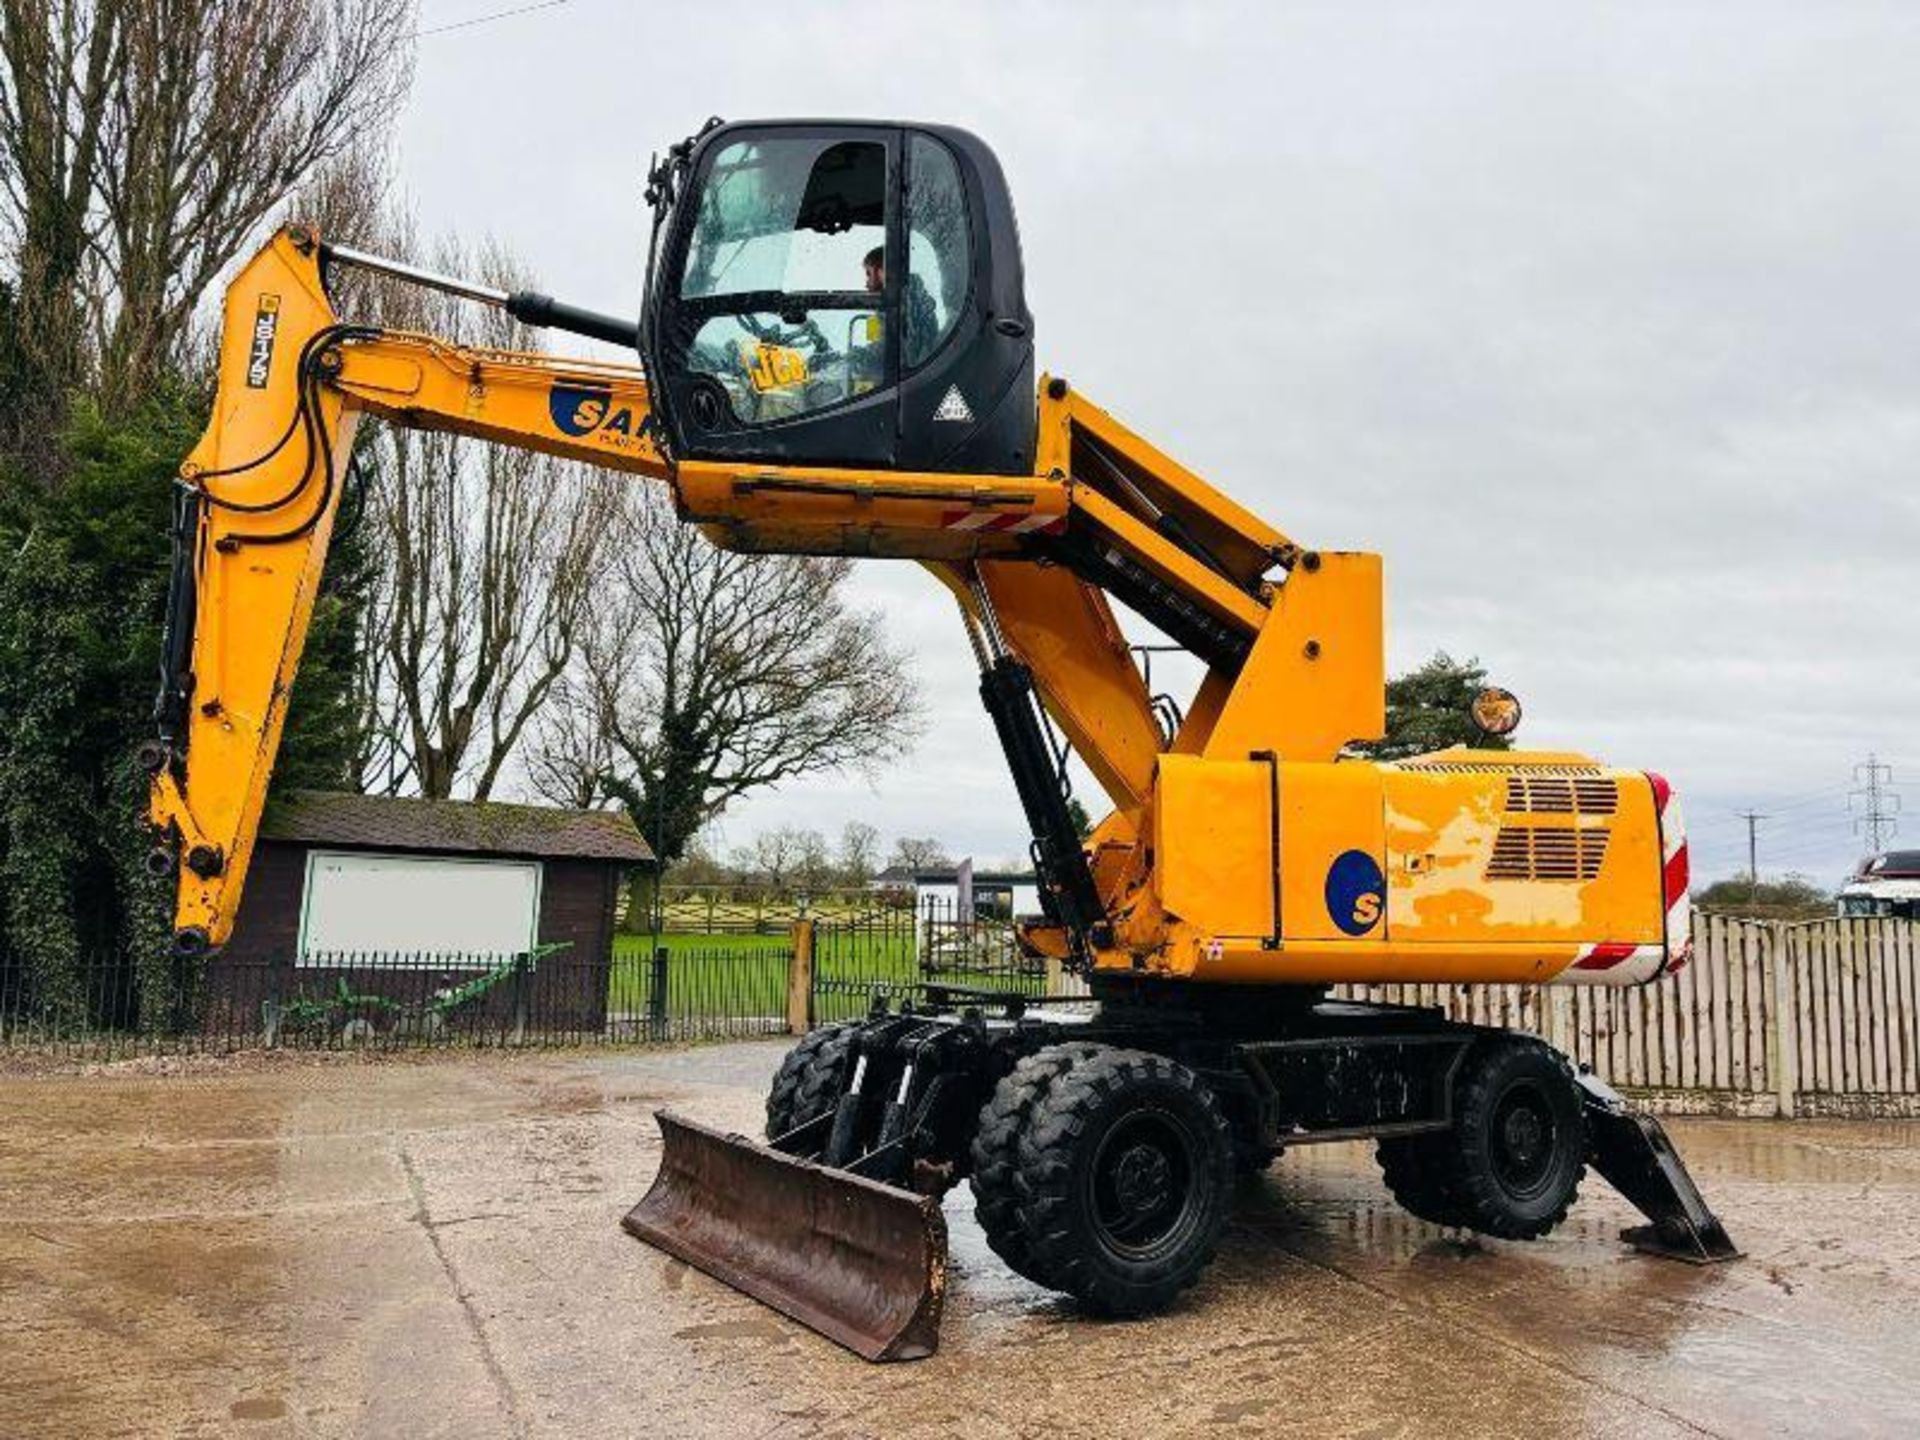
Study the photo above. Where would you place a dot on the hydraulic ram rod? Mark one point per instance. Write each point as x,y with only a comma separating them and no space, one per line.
529,307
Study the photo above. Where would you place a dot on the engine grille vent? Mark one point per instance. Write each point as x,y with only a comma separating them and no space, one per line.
1483,767
1539,852
1562,795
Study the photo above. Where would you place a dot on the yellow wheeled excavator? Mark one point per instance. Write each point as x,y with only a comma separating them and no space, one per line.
836,358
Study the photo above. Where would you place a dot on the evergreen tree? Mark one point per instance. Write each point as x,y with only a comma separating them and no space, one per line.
1431,708
82,592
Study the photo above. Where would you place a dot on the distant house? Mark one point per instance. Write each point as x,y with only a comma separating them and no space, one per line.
336,873
997,894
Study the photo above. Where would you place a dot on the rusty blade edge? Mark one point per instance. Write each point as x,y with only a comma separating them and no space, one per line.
920,1295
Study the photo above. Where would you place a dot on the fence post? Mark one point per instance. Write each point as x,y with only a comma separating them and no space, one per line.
657,995
1783,1051
519,1000
800,979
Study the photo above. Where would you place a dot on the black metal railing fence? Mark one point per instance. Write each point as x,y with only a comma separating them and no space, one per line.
112,1004
665,987
898,953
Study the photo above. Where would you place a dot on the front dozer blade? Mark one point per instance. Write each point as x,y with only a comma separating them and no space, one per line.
1634,1155
863,1263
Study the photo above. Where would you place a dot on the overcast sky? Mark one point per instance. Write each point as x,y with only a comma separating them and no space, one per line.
1600,325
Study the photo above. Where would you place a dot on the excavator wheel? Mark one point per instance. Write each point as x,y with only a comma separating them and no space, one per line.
1511,1164
1125,1178
996,1153
809,1081
1416,1171
1252,1158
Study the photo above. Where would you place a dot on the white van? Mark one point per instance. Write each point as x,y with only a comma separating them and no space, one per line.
1885,884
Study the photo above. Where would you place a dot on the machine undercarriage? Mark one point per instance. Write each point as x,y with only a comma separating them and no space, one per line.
1102,1149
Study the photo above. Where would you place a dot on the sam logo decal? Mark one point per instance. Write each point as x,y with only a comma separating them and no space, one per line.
582,407
1356,892
266,325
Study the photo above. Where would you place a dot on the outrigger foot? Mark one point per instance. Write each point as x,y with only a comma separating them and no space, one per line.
1634,1155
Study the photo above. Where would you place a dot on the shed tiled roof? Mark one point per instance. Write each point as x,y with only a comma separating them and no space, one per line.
454,827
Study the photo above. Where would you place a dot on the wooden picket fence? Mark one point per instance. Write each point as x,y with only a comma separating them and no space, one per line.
1818,1017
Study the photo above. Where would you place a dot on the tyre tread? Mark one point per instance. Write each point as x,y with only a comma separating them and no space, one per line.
1060,1121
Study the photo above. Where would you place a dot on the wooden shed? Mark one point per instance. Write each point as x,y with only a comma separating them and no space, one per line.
347,883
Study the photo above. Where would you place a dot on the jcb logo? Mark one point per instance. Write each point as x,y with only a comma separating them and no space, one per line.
586,408
773,367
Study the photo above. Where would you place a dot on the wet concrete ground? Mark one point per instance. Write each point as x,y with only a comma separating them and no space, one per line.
432,1248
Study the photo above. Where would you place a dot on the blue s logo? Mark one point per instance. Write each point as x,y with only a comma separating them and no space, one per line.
578,407
1356,892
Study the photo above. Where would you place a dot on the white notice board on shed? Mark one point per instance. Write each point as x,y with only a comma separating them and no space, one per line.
418,903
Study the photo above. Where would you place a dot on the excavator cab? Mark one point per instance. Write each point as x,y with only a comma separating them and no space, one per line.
839,294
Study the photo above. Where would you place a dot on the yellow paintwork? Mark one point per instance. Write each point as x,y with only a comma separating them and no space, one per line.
1381,871
1325,810
1213,841
1066,635
1317,676
893,514
255,601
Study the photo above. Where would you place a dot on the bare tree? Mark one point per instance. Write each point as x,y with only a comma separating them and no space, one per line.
787,856
714,675
571,751
859,851
813,868
143,143
488,559
61,62
912,853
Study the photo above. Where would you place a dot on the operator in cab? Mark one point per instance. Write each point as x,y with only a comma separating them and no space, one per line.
922,318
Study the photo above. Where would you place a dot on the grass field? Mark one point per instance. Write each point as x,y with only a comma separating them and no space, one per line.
746,975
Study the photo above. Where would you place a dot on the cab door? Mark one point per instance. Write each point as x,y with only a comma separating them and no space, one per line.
773,344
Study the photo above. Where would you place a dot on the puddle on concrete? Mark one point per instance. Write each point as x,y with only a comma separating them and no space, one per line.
257,1237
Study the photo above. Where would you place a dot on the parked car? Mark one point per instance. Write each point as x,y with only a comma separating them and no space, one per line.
1885,884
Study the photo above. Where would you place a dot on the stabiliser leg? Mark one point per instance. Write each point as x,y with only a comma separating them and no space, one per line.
1634,1155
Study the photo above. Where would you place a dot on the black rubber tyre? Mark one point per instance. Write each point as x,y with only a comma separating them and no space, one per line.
1125,1179
1511,1165
996,1153
1522,1139
1251,1158
810,1079
1417,1170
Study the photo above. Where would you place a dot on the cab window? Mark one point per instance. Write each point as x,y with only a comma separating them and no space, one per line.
939,258
775,277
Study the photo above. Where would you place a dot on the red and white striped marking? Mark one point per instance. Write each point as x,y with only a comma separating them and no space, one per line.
1616,962
1003,522
1623,962
1675,873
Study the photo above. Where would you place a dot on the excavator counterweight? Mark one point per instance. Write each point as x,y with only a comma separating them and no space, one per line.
835,357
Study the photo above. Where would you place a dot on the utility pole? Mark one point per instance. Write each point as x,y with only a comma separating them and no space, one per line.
1878,804
1753,819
